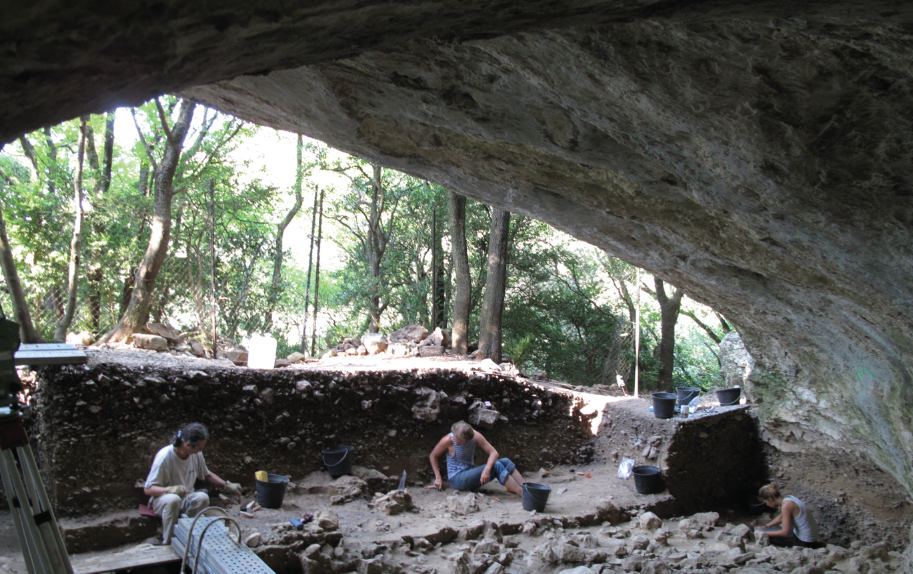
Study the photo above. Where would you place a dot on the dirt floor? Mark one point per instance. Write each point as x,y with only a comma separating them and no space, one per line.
599,506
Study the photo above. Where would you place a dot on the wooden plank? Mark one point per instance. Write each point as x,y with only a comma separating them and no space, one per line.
50,357
145,555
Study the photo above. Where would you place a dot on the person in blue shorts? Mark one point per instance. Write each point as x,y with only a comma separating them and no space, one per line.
460,445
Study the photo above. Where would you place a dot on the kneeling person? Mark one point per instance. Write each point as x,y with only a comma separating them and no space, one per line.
460,447
171,480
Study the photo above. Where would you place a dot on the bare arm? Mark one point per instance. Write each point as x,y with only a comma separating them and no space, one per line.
785,519
439,449
483,443
154,490
213,479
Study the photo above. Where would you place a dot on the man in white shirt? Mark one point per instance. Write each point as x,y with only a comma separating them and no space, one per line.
174,472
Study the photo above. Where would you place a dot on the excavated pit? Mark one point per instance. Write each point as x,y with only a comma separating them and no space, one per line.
392,413
96,428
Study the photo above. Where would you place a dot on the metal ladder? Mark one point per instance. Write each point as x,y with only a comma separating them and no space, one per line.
212,549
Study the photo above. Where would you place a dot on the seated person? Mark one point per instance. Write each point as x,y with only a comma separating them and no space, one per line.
174,471
797,525
460,447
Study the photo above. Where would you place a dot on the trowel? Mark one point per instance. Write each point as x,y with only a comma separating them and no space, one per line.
402,482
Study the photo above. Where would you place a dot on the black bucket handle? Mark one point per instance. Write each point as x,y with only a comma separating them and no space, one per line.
344,455
532,492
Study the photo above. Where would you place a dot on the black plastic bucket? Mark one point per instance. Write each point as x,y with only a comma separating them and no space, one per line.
338,460
647,479
664,405
729,397
271,492
535,496
687,394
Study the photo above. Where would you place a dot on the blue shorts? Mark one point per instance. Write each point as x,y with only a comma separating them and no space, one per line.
471,478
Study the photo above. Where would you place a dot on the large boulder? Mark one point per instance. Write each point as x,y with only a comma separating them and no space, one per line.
170,333
428,405
737,366
409,334
150,342
374,343
438,338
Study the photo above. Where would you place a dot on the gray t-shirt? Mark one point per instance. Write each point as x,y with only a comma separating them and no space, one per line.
169,470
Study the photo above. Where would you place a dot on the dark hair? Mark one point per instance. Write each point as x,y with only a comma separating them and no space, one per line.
194,434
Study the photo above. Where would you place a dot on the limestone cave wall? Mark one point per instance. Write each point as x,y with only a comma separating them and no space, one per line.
763,165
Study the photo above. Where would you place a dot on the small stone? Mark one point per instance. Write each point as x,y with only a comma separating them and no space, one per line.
640,542
328,520
252,540
649,521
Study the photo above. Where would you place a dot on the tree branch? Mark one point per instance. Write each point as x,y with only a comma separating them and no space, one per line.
710,332
143,141
164,119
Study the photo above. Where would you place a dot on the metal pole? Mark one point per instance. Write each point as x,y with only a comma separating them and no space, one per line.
212,255
637,338
307,293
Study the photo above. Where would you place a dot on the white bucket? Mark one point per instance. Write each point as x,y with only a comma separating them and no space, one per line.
262,354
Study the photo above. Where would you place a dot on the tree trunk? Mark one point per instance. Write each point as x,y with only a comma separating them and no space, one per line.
377,244
456,210
495,284
93,278
52,162
142,187
137,311
669,308
60,333
27,333
29,150
109,153
102,176
126,293
437,280
280,231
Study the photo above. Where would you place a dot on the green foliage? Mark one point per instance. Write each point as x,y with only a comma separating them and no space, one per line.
564,311
696,365
555,313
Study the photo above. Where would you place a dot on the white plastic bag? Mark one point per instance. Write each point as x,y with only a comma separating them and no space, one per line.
692,406
625,468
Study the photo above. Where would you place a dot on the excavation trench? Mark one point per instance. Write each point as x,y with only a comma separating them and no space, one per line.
96,428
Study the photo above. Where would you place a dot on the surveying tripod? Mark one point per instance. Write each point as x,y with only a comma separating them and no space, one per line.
39,536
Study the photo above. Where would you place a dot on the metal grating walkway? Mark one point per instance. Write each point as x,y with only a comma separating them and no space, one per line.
220,554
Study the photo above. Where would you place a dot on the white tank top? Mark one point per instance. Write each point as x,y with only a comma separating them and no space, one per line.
805,527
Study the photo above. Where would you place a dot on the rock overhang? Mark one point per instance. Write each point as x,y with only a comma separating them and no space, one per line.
755,154
730,158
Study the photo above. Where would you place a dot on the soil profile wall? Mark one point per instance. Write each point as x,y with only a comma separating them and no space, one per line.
100,425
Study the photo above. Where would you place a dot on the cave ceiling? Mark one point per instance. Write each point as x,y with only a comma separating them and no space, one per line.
757,155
